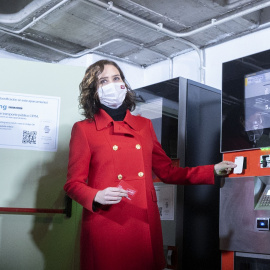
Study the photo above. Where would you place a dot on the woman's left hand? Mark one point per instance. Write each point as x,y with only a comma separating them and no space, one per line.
224,167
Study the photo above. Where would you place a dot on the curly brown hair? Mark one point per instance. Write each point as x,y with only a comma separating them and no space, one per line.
89,100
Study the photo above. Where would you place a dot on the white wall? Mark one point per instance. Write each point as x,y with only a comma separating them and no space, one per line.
188,65
247,45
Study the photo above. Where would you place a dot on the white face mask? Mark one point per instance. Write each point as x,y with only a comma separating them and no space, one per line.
112,95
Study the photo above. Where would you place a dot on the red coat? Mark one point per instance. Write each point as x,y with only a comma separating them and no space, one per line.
126,235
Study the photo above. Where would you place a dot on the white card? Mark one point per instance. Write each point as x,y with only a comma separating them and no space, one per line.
239,161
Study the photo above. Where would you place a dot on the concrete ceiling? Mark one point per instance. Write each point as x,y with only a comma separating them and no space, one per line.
140,32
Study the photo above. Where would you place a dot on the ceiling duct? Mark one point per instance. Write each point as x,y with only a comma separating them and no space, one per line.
140,32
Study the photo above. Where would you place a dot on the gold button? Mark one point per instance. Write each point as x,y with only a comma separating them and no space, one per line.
120,176
138,146
115,147
140,174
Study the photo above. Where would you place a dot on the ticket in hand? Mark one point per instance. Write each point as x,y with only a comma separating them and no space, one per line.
130,189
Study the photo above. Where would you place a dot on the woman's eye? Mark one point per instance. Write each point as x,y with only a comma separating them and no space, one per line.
117,78
102,81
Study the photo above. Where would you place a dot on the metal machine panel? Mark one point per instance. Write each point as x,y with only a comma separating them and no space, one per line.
201,210
242,227
188,125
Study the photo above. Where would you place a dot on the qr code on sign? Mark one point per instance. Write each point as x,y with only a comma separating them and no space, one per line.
29,137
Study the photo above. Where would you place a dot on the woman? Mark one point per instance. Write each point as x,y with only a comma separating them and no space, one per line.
112,155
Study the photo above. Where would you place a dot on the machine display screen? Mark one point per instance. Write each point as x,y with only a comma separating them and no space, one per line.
257,105
246,103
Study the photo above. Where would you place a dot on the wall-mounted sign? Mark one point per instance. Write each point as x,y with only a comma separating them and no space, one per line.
29,122
165,201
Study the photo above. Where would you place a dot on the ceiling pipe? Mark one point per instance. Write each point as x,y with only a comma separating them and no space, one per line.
159,27
85,52
60,51
170,68
35,20
110,4
28,11
21,15
179,35
89,51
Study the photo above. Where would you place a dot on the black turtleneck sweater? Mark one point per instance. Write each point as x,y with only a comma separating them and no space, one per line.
116,114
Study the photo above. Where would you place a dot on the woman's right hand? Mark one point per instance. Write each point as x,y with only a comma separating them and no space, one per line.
110,195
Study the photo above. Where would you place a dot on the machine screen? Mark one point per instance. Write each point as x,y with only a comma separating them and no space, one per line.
246,103
257,101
